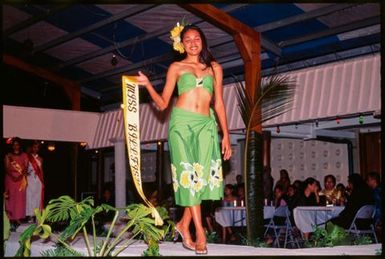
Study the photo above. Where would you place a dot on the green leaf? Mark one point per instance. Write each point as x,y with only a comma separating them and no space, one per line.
64,208
77,223
46,229
60,251
24,241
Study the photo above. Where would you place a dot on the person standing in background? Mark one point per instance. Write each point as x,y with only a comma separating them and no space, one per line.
268,183
16,164
284,180
373,181
35,188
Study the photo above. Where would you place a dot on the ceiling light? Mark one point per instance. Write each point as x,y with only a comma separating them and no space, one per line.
114,60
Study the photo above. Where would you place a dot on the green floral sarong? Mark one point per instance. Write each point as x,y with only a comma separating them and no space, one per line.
196,163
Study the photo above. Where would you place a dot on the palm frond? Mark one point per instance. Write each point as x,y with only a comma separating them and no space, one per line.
274,97
244,100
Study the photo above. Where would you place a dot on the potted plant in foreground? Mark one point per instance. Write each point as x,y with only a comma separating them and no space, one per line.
139,223
273,97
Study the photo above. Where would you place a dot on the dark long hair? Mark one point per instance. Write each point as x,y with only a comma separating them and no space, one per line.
205,57
308,181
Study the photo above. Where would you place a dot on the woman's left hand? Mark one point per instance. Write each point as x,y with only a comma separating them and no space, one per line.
226,148
142,79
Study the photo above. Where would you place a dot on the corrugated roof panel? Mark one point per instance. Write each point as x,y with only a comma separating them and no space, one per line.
115,8
351,15
40,33
13,16
166,15
341,88
72,49
102,63
343,94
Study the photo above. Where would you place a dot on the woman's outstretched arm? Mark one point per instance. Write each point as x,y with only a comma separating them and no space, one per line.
163,100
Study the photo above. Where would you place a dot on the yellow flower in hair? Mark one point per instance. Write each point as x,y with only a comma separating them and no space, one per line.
175,37
175,32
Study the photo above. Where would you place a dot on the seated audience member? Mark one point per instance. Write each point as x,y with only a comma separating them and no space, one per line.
373,181
228,200
105,216
280,199
307,196
239,182
291,195
241,195
284,180
297,184
360,195
208,208
333,196
341,188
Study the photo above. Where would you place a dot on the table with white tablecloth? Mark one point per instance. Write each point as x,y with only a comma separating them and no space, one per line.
236,216
307,217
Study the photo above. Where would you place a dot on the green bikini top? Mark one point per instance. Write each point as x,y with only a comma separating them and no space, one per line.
188,81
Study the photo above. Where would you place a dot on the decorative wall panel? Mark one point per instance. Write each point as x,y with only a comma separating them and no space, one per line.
311,158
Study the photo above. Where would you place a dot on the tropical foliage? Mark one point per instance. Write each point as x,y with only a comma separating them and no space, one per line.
322,237
273,97
139,223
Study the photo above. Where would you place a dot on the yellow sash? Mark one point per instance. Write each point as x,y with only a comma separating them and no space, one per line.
131,128
23,182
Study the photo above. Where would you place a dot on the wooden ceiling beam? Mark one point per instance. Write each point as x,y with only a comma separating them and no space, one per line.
220,19
71,88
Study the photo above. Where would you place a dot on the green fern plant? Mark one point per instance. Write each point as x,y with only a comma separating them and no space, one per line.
212,237
60,251
333,235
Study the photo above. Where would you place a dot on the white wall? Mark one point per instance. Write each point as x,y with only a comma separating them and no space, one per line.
301,159
49,124
311,158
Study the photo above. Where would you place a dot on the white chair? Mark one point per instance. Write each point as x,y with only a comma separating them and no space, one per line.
281,227
365,212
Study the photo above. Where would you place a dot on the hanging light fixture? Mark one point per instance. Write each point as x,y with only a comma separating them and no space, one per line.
278,130
338,120
8,141
114,60
316,123
361,119
83,144
51,147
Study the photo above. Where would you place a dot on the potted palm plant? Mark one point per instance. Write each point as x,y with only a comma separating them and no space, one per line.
138,221
273,96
